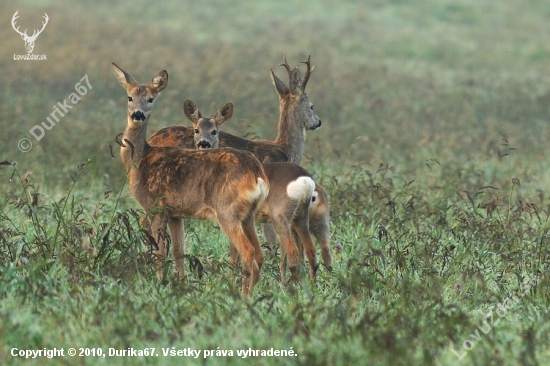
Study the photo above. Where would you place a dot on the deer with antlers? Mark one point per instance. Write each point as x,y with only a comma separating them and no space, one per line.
287,204
296,116
29,40
172,183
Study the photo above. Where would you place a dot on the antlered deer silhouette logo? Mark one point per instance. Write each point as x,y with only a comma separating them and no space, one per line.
29,40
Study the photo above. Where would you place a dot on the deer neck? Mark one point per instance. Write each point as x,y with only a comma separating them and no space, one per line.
135,149
292,134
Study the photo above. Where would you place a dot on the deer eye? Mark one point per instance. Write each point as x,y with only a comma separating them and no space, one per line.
130,99
214,133
311,107
196,131
150,100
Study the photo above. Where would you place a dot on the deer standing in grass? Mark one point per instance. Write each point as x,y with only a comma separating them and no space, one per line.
296,116
287,204
172,183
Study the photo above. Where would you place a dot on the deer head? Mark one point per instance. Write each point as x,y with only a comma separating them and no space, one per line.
295,94
140,97
206,129
29,40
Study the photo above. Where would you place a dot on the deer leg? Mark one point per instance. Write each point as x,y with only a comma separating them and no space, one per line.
283,264
309,249
176,226
300,226
319,216
236,234
249,229
289,252
298,242
158,231
233,256
270,237
233,259
319,228
281,215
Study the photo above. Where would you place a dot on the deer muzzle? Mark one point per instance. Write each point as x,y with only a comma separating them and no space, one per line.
204,145
138,116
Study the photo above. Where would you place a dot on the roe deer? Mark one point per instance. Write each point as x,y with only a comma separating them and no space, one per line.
171,183
287,204
293,105
296,116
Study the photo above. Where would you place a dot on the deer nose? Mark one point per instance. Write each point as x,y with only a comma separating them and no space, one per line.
138,116
204,145
316,127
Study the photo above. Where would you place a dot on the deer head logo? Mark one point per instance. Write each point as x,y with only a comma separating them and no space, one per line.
29,40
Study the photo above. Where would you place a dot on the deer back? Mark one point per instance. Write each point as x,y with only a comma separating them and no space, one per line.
196,184
183,136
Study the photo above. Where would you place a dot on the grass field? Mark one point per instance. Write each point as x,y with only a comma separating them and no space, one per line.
433,151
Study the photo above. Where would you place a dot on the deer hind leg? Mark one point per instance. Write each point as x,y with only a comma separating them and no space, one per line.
281,217
289,254
177,232
158,231
233,259
300,226
233,256
249,229
235,232
319,216
320,229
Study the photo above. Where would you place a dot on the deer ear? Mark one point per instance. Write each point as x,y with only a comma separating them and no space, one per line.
295,82
282,89
159,82
224,114
122,77
191,111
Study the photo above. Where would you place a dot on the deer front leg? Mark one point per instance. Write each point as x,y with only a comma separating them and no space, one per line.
158,231
177,231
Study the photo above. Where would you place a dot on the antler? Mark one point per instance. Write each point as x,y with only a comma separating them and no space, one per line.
308,72
285,64
34,35
36,31
13,19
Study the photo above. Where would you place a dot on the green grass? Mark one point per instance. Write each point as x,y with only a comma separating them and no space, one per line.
433,151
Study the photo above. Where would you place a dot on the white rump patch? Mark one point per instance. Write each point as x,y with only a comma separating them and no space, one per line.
301,188
264,188
260,192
